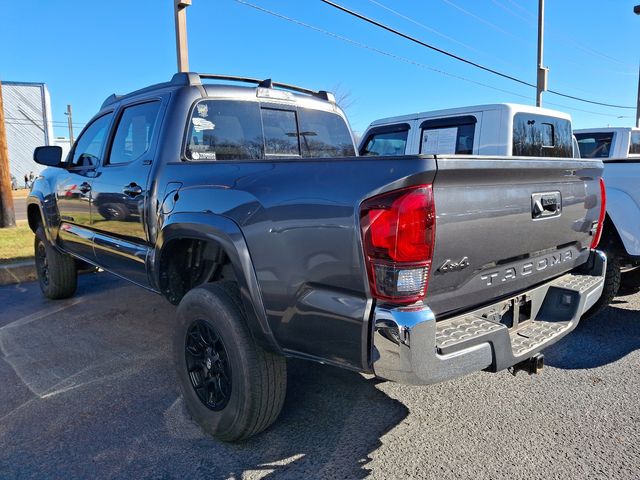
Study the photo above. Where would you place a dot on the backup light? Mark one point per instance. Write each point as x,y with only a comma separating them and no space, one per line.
398,231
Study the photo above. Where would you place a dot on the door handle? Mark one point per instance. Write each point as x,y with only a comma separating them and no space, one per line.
132,190
85,187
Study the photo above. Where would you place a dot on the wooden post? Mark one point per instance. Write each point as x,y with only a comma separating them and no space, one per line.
182,49
7,213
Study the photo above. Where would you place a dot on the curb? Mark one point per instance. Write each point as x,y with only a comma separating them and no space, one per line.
18,272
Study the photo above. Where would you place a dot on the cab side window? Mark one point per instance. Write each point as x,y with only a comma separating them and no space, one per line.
634,144
446,136
87,151
135,130
386,141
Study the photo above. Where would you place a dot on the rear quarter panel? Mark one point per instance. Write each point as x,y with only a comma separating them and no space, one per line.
300,221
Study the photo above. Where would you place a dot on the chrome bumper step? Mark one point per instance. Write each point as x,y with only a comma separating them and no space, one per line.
410,346
459,333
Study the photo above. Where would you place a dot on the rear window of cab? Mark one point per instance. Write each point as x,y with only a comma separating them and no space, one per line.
595,145
541,136
245,130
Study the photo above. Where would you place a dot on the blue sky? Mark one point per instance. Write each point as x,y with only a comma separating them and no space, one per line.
86,50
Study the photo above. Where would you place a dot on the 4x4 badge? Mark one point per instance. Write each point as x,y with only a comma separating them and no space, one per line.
450,266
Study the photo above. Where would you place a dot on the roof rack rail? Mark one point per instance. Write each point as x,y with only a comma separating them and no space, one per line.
194,79
268,83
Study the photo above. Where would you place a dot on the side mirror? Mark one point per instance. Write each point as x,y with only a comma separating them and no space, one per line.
50,156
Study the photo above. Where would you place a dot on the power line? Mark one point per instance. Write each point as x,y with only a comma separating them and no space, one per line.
430,29
62,122
461,59
25,122
424,44
531,19
422,25
439,33
482,20
400,58
373,49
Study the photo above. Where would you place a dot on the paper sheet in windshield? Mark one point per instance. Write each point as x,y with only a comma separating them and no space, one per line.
441,141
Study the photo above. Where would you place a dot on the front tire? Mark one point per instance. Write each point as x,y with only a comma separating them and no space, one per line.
231,386
57,272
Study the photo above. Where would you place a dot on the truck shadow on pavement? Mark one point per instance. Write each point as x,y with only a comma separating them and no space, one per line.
331,422
88,391
597,341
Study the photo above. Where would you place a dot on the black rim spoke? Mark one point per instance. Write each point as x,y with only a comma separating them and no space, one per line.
208,365
42,263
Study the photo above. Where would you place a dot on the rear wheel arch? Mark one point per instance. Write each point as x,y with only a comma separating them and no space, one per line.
216,247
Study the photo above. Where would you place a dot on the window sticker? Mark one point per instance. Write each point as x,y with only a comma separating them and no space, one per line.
439,141
200,124
203,110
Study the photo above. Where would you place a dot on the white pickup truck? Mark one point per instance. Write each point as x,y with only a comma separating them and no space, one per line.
619,149
502,129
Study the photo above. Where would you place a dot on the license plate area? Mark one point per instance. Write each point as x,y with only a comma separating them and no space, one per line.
513,313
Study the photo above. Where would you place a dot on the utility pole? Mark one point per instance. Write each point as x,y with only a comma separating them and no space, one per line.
182,49
542,70
7,213
70,122
636,10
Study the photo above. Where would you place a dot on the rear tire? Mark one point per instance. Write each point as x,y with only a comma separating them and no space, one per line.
231,386
611,286
57,272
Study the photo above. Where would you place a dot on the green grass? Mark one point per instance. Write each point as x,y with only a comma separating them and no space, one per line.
16,244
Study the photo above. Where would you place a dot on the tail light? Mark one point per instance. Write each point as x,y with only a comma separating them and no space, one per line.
398,231
603,210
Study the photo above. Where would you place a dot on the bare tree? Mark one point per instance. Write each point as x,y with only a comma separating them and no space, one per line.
344,99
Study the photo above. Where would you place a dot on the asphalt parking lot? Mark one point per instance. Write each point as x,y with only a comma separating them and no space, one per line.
87,391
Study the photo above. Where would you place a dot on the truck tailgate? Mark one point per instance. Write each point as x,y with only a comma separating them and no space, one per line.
506,224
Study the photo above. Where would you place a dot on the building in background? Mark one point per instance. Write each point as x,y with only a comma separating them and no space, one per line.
63,142
27,113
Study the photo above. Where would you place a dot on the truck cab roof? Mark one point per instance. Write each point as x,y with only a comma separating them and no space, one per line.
510,108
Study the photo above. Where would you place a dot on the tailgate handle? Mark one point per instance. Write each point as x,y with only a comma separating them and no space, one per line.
546,204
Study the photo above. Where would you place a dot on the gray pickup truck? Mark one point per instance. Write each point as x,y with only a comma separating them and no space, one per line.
247,207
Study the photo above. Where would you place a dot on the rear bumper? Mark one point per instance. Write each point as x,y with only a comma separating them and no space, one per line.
409,346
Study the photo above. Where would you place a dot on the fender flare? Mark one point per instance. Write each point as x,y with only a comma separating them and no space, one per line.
623,212
37,198
208,226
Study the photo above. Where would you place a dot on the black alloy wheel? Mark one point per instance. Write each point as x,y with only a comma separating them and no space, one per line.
208,365
42,263
57,271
